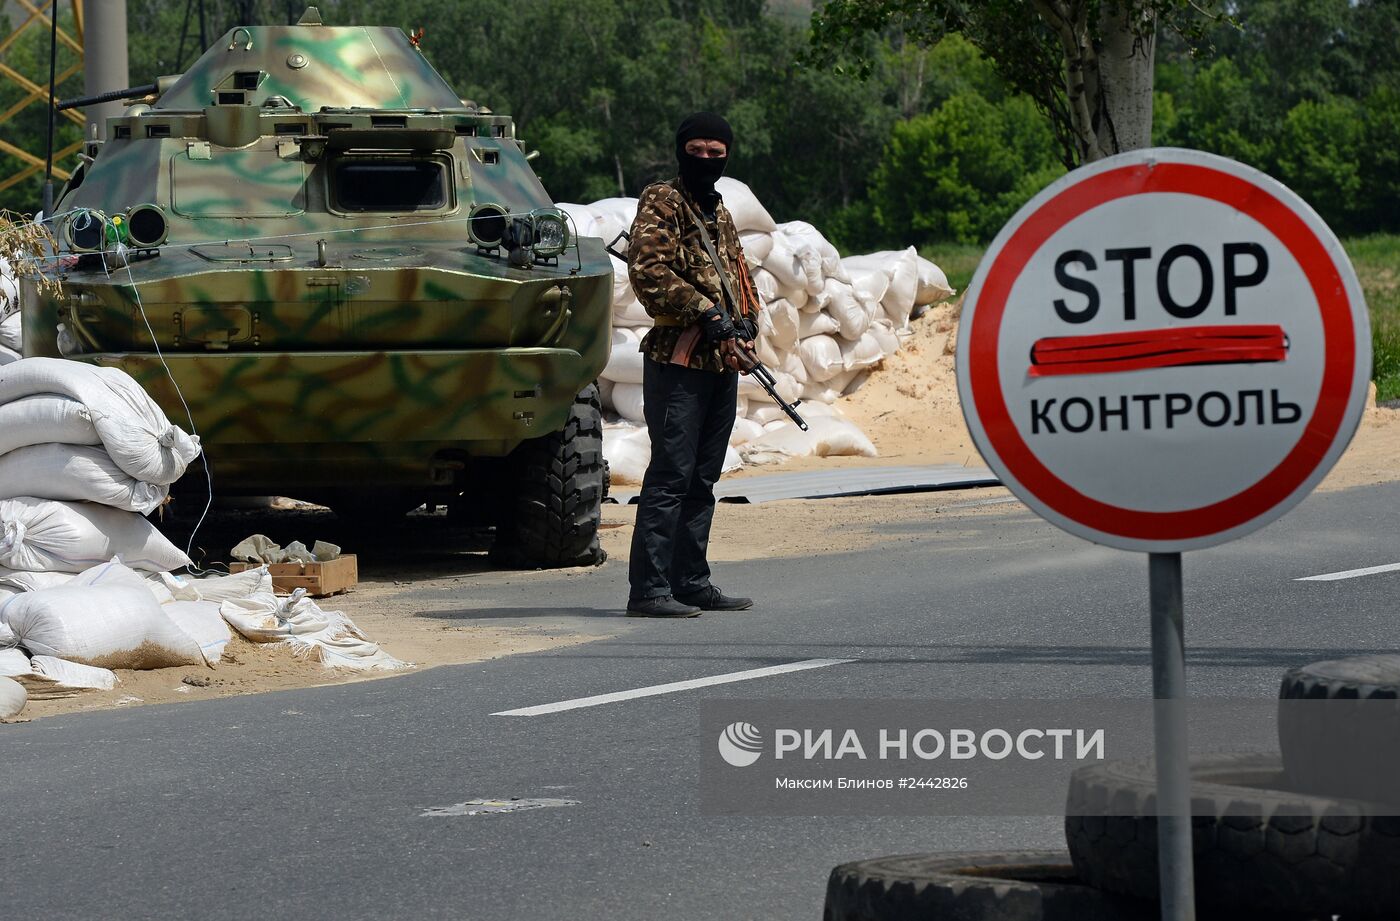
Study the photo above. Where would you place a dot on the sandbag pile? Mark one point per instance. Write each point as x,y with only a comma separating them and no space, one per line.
827,321
76,432
11,339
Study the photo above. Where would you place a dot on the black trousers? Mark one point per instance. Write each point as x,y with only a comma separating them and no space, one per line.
689,416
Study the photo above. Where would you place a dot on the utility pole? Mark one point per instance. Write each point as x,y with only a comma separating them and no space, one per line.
105,59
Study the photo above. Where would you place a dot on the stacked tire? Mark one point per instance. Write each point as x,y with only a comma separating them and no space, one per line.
1303,836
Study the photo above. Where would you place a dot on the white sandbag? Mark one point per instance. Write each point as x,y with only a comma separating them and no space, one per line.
744,208
852,317
785,266
8,356
793,367
784,322
9,288
812,270
933,284
582,223
797,297
732,460
883,331
741,407
203,621
136,433
868,283
625,361
218,588
745,430
829,391
819,323
605,389
33,581
904,285
76,473
39,535
13,662
764,347
13,697
766,284
632,314
861,354
622,291
64,674
627,400
822,356
628,451
767,413
44,419
756,246
11,336
612,216
827,436
106,625
328,637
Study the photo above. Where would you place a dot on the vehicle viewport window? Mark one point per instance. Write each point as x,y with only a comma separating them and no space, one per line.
382,185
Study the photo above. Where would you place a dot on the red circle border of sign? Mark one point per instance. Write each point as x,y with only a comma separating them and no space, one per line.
1339,335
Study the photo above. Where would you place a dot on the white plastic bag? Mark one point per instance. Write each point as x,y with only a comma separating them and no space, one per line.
328,637
76,473
45,419
39,535
139,438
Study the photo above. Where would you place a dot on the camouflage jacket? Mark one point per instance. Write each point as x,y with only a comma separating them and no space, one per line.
673,275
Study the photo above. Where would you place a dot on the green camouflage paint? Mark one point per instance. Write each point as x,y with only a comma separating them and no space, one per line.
321,347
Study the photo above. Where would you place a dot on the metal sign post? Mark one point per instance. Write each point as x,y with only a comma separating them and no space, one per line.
1178,885
1163,351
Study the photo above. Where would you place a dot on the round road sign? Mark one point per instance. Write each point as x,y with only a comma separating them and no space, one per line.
1163,350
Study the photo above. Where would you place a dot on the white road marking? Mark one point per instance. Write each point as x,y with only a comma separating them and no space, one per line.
1350,573
673,687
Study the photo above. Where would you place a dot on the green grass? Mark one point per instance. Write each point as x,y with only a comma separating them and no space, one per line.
1377,262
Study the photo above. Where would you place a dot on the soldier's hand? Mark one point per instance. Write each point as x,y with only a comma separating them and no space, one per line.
738,355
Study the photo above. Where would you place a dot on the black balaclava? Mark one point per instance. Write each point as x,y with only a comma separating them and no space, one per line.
699,173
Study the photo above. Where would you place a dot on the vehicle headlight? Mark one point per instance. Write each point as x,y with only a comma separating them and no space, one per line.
551,233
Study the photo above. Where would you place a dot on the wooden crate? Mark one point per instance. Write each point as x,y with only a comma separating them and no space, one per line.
319,579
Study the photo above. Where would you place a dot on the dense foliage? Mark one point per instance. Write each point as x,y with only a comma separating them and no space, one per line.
933,143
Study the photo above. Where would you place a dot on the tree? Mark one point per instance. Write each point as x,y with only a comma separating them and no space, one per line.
1088,64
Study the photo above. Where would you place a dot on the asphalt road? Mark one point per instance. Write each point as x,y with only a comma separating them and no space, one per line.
309,804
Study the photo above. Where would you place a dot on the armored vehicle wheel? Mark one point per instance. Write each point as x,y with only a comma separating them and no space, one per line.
1339,727
1021,886
553,514
1259,848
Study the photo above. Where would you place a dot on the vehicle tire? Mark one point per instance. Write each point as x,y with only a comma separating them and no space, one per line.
553,516
1019,886
1339,727
1258,847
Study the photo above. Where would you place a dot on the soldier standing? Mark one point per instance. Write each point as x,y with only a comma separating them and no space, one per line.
682,239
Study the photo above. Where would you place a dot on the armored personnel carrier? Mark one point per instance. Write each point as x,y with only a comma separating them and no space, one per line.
354,280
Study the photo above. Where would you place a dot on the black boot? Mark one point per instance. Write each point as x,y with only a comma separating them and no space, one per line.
710,598
660,606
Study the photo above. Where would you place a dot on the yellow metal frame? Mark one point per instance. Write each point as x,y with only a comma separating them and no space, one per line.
37,91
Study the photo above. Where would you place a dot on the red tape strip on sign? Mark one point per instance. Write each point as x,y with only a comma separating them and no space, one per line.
1157,348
